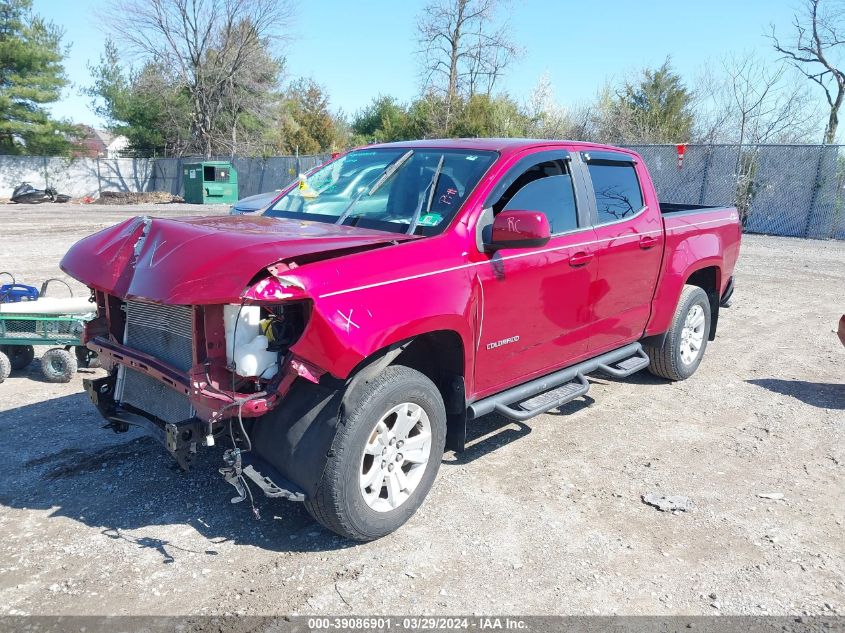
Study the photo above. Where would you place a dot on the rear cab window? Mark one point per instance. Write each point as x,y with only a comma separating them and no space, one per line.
617,189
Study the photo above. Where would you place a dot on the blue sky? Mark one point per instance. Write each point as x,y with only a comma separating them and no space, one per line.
358,50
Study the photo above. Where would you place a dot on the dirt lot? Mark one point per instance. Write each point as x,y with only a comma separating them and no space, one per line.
537,518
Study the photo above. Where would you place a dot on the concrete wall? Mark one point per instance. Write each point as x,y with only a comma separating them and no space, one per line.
76,177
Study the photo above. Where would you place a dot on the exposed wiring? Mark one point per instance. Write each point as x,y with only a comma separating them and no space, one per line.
238,452
234,342
251,499
231,397
270,366
241,425
10,276
240,402
61,281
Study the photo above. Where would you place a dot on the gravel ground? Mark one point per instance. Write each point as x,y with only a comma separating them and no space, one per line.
539,518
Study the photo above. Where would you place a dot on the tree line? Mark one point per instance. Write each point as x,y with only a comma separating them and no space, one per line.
205,77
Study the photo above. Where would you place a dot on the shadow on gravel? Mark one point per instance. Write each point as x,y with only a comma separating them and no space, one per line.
640,378
816,394
486,434
57,458
493,431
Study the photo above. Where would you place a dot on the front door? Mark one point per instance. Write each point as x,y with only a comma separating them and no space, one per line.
534,302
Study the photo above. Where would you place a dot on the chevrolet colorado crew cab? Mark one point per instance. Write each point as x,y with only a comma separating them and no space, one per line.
343,339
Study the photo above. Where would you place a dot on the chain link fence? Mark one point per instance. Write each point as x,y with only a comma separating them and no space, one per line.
255,175
789,190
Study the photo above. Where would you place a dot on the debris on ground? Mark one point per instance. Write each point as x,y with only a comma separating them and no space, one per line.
774,496
668,503
138,197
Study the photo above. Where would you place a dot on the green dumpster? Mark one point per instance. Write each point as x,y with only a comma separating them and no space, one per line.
210,182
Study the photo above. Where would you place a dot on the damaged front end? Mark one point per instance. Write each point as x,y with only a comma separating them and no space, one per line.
186,369
196,321
189,374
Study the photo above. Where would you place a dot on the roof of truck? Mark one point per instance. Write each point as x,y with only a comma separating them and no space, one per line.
495,144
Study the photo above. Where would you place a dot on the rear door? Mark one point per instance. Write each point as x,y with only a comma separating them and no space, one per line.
629,249
534,301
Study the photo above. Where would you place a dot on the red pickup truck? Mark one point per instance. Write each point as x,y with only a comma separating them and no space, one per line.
343,339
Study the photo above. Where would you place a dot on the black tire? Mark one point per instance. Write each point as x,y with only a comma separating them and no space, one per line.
86,358
5,367
338,503
58,365
666,359
20,356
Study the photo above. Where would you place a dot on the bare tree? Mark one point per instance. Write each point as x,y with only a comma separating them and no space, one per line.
813,51
464,50
217,48
754,102
549,119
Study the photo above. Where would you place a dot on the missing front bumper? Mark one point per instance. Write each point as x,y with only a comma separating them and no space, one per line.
179,438
182,439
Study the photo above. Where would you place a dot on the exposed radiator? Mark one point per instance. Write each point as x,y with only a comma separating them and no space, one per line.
151,396
167,334
163,332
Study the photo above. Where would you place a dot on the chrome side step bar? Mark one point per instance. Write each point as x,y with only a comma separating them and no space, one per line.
555,390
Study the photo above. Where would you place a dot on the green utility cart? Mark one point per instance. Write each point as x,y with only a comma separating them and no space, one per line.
20,332
210,182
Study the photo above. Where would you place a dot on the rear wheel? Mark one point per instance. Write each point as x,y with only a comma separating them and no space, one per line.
58,365
684,344
384,458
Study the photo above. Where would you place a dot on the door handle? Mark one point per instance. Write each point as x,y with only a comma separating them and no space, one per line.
648,241
581,258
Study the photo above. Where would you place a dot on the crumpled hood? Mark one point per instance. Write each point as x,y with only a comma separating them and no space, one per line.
204,260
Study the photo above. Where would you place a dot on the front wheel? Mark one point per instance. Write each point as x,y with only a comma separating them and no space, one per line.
384,458
684,344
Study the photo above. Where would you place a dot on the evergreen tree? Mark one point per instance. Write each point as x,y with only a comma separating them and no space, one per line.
658,105
306,124
31,76
384,120
147,106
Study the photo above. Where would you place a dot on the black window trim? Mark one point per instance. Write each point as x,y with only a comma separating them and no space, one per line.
605,157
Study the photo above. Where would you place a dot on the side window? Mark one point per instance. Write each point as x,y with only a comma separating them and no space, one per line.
545,187
617,189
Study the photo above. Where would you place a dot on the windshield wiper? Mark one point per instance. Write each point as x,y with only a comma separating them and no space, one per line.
391,169
433,187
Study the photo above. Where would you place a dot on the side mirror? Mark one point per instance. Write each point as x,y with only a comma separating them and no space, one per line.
519,229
